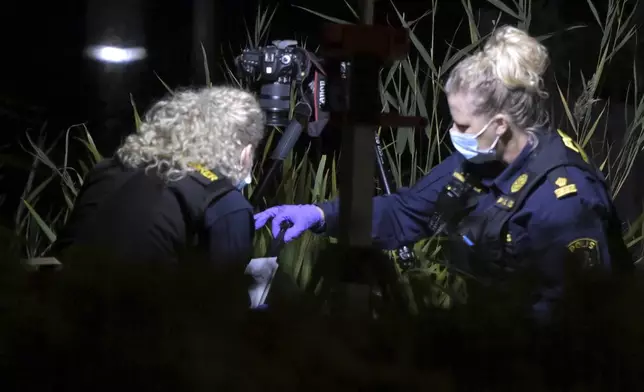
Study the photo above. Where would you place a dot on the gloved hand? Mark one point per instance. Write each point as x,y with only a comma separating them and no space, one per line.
303,217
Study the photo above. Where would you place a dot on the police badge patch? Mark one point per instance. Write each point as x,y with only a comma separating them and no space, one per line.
585,250
519,183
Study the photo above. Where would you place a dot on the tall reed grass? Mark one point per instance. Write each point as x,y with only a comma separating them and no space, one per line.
411,86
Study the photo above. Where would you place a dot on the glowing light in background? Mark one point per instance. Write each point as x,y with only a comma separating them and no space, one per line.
115,54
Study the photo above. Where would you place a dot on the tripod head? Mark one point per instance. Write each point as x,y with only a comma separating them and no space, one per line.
280,72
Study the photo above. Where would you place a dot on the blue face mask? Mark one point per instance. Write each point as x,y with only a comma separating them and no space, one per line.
468,145
243,183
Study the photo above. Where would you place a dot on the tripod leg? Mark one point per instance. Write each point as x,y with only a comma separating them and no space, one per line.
290,136
260,190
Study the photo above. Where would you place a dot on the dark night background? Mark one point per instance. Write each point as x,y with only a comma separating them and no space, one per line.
46,77
160,340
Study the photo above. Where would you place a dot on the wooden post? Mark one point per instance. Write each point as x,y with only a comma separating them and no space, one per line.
366,11
204,22
357,185
357,173
367,49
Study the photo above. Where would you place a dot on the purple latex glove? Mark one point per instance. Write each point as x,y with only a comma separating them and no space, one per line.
303,217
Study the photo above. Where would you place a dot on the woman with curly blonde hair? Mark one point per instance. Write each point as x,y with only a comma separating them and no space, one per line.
172,190
516,196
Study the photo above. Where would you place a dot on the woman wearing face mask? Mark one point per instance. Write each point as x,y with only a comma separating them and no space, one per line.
172,190
515,196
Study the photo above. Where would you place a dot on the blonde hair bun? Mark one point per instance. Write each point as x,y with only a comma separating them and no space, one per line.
519,60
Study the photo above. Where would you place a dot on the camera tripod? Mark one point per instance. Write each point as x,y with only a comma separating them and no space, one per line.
291,135
372,267
354,56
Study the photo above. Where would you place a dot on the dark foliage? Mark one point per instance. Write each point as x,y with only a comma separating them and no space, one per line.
97,326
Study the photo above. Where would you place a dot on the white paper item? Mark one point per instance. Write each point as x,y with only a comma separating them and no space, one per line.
262,270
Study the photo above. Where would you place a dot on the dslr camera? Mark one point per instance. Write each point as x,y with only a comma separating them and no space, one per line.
278,69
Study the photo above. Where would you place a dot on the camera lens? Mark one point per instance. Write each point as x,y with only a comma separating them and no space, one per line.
275,99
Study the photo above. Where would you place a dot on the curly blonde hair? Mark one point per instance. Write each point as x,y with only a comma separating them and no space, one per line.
506,76
209,126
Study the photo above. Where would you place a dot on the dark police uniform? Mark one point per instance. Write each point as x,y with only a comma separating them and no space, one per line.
549,206
133,216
